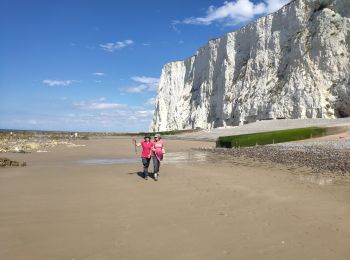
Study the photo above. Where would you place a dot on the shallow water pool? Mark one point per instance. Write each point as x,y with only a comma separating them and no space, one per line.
109,161
177,157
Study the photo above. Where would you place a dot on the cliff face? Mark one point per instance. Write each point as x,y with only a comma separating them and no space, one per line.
294,63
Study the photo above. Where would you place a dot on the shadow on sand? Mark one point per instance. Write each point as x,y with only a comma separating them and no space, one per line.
141,175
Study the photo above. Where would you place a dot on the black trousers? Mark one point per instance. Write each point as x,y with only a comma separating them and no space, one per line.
145,162
156,164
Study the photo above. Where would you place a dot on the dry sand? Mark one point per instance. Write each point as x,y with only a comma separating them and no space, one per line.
201,208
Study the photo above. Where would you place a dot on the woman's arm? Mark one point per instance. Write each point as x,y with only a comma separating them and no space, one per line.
163,148
137,144
153,149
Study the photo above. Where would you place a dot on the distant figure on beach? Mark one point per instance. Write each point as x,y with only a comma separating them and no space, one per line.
146,153
157,154
75,135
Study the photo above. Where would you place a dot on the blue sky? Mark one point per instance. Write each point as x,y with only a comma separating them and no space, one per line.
94,65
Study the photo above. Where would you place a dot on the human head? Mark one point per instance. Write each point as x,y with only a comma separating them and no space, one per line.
157,136
147,136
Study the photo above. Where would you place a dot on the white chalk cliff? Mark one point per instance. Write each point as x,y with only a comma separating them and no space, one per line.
294,63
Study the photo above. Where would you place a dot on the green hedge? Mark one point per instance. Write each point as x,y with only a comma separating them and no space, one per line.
269,137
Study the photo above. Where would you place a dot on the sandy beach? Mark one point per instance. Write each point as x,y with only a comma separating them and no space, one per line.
89,202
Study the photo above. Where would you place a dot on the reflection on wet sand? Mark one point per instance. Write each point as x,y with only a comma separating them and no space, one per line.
176,157
316,179
109,161
190,156
207,157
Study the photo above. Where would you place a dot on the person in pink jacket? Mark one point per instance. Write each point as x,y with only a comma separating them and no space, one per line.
157,154
147,146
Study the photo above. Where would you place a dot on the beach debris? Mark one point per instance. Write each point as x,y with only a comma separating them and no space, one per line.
342,136
8,162
75,145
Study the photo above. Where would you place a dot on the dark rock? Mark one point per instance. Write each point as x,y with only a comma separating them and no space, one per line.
7,162
14,163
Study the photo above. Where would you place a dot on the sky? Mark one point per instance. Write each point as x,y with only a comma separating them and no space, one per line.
94,65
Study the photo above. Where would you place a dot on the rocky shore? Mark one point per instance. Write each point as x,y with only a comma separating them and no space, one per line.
320,156
27,142
28,146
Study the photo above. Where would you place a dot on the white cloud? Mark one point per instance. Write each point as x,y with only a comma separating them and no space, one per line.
51,82
106,115
92,105
145,80
32,122
151,101
137,89
235,12
145,84
90,115
111,47
144,113
104,105
98,74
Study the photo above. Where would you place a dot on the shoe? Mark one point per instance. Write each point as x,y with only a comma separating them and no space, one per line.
156,177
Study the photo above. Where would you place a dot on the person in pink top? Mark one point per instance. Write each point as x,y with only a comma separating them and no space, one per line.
157,154
146,153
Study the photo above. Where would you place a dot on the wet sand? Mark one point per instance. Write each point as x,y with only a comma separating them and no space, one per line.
204,206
